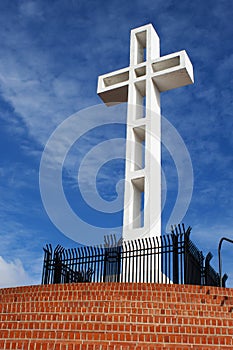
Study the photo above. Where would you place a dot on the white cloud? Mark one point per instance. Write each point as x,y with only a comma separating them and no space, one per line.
41,94
30,9
12,274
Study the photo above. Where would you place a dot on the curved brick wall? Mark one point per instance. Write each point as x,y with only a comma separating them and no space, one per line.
116,316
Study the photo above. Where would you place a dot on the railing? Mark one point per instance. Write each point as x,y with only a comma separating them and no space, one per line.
169,258
224,278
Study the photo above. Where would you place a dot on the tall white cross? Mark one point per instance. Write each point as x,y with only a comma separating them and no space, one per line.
140,85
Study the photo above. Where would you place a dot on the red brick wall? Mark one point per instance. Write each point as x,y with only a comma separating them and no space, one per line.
116,316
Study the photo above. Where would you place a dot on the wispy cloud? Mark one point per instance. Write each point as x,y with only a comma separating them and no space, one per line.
31,9
12,273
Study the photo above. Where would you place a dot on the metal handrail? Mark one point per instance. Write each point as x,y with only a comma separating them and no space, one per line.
219,256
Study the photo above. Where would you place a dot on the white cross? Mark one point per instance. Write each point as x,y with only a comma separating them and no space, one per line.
140,85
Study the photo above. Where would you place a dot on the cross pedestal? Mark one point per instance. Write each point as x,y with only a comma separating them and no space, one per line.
140,85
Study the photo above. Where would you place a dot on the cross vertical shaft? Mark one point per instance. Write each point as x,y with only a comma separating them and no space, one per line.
142,200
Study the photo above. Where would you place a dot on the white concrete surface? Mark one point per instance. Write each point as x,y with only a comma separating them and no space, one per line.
140,85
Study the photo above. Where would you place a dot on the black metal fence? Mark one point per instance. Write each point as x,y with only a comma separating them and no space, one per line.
169,258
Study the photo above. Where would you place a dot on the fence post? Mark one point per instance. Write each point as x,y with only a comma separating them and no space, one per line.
175,259
57,265
207,282
47,264
105,264
119,250
186,258
224,279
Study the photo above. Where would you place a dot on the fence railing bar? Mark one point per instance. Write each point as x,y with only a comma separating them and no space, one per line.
128,267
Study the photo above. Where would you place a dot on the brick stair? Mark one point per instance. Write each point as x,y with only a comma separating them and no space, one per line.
116,316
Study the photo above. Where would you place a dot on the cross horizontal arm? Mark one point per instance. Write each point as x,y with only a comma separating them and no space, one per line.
113,87
172,71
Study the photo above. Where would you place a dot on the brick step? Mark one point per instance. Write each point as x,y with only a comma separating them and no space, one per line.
98,307
197,319
123,338
174,310
117,318
117,287
127,297
103,345
143,299
205,337
140,312
183,325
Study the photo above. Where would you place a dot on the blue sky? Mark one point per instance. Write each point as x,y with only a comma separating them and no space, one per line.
51,56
